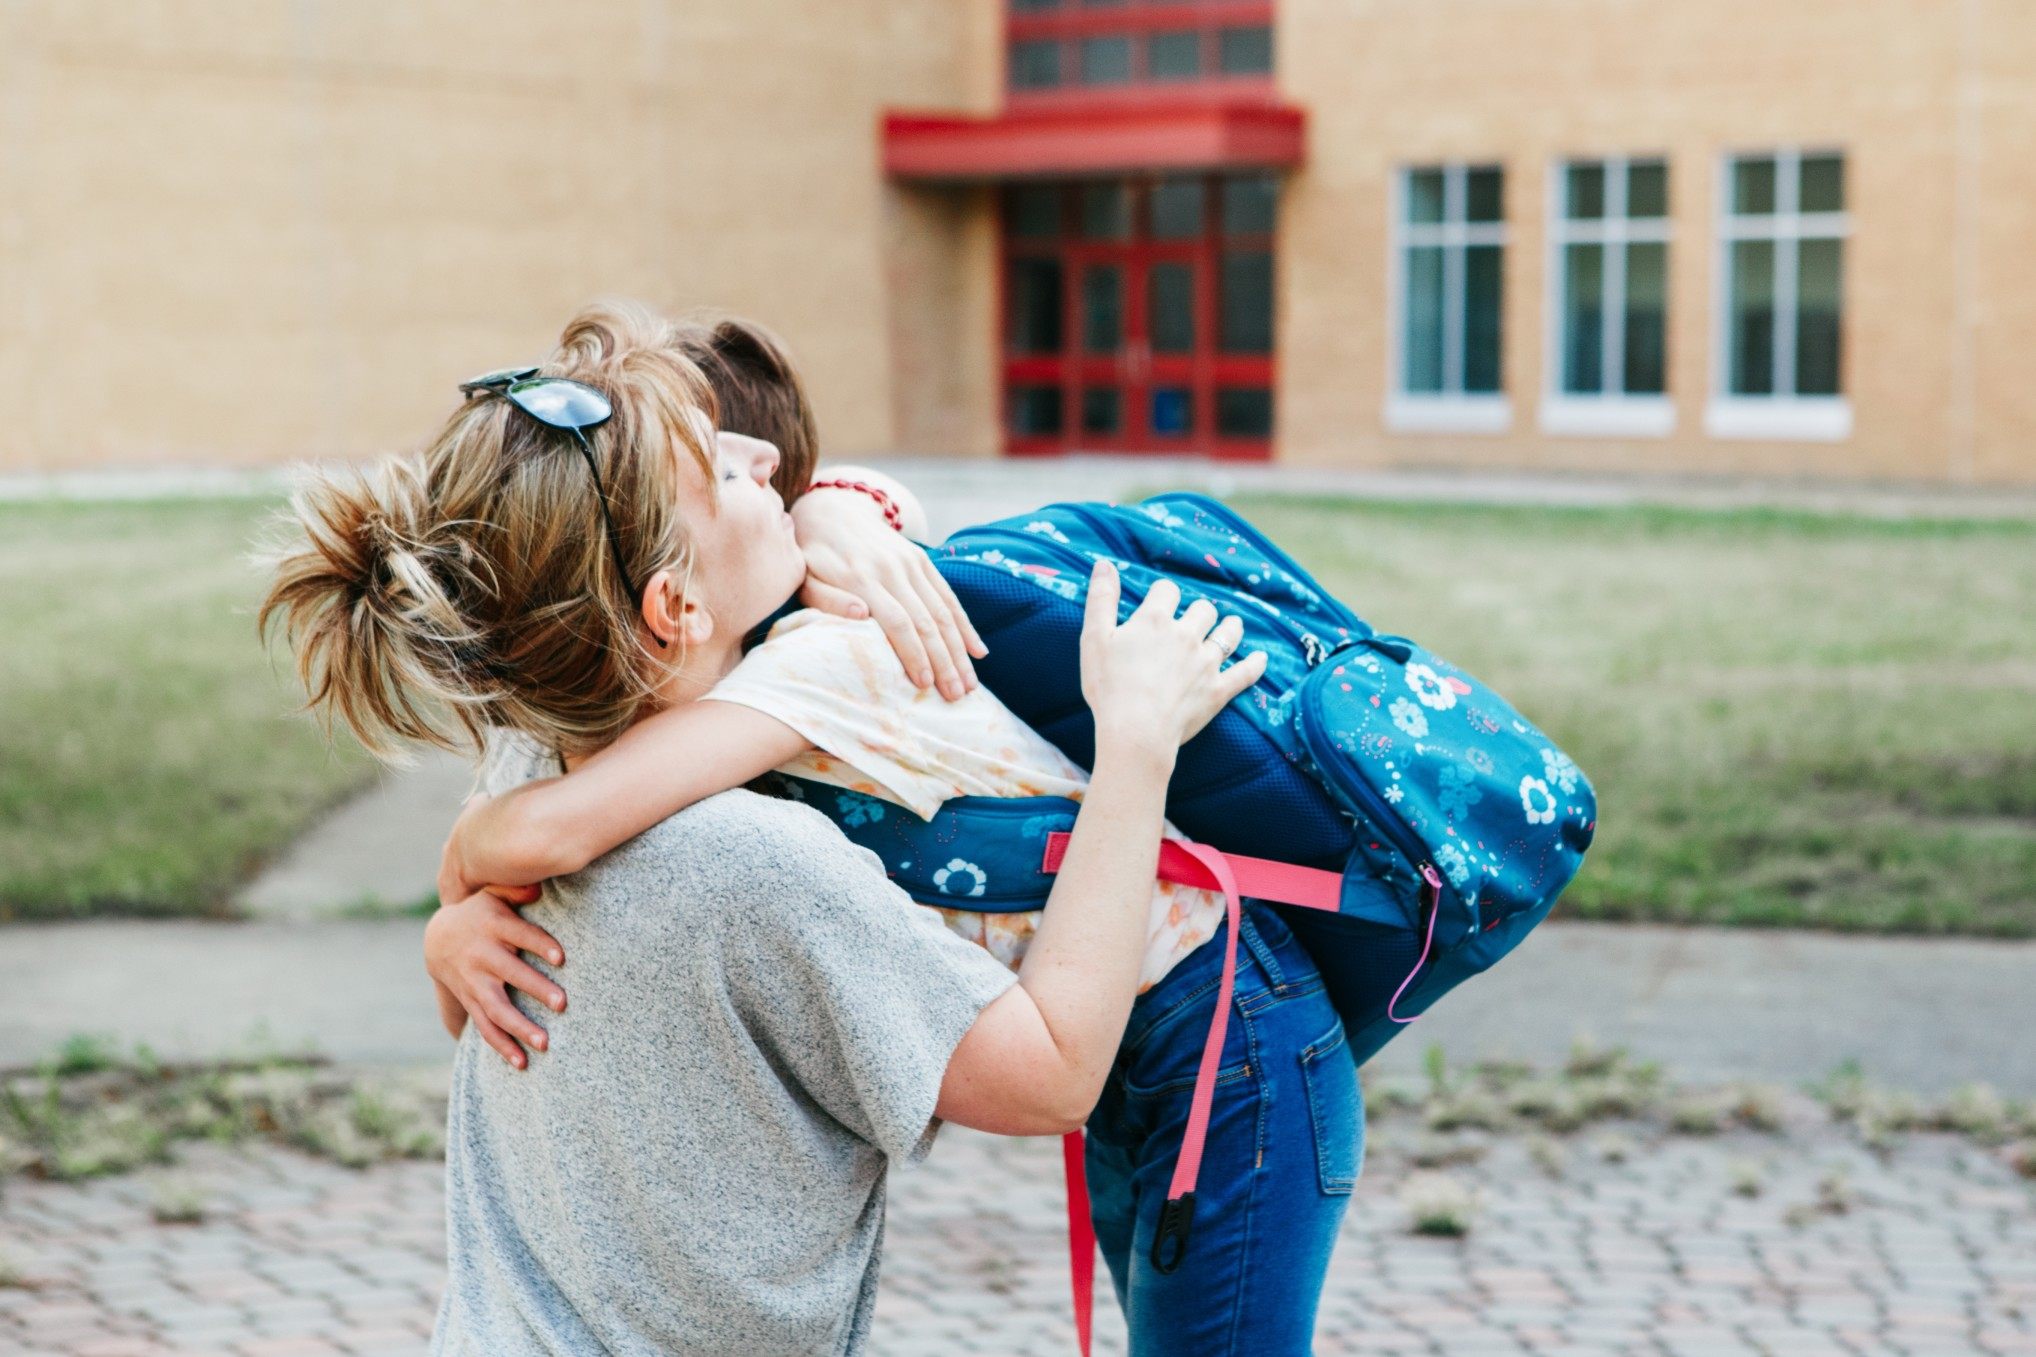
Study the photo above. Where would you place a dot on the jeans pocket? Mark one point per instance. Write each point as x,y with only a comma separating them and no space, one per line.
1333,1107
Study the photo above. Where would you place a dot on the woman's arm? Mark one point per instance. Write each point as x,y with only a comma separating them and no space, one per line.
1035,1060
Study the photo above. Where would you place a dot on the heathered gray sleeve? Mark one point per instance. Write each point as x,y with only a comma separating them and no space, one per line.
758,1030
859,993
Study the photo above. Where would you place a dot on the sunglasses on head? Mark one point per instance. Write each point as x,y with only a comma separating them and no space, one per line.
575,407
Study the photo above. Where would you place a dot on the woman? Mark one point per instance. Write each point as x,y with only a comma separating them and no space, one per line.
819,699
721,1189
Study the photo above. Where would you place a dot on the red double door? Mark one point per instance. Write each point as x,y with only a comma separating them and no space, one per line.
1138,316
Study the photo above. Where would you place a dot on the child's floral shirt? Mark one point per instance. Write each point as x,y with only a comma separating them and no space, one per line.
839,684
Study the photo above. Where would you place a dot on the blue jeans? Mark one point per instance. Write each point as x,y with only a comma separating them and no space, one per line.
1285,1145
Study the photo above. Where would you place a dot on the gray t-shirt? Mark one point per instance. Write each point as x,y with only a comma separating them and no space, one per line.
758,1025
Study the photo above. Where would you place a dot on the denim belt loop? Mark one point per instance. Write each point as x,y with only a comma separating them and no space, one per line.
1249,936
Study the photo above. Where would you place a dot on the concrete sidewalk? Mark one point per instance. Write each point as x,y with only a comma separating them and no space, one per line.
1924,1015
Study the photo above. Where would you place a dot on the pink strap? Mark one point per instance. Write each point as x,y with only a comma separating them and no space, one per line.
1081,1238
1283,883
1198,865
1429,875
1189,1165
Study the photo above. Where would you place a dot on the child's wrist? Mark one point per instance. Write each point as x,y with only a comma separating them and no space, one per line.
881,498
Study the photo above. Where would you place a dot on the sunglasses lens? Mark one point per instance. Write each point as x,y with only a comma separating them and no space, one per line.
497,380
561,404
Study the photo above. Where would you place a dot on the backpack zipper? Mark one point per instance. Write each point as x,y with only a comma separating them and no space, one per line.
1390,822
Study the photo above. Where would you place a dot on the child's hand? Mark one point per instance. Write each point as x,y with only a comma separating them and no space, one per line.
472,949
858,566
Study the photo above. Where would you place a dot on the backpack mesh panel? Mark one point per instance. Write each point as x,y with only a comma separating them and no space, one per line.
1223,774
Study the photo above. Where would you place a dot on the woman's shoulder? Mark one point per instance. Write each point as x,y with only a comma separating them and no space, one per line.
736,835
510,758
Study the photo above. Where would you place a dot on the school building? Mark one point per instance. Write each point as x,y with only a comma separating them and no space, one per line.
1706,236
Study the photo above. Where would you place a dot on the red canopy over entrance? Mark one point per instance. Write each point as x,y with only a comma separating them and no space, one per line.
1092,140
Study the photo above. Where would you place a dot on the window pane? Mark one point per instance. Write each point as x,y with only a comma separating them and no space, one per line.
1424,196
1583,319
1170,302
1823,184
1102,410
1647,189
1173,410
1106,61
1819,284
1249,202
1035,65
1246,303
1102,308
1035,305
1035,409
1035,211
1752,335
1244,412
1753,186
1177,209
1483,284
1174,56
1106,211
1586,190
1246,51
1421,345
1644,368
1485,196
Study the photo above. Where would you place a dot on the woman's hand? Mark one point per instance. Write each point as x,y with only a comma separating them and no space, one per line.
473,951
858,565
1157,679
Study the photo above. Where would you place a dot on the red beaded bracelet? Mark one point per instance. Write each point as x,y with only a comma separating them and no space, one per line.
891,514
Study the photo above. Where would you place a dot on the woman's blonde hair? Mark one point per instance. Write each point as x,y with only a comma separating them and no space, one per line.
431,597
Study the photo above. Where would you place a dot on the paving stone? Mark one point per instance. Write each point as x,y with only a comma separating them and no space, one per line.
1652,1256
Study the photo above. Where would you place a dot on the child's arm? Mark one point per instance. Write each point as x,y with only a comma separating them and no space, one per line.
666,762
858,565
657,768
912,519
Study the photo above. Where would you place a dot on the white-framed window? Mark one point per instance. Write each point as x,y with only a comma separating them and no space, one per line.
1608,306
1448,299
1780,306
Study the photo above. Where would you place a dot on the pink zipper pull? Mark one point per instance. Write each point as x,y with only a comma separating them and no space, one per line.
1434,880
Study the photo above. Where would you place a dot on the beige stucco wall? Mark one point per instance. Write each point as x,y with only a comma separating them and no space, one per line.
1934,102
254,230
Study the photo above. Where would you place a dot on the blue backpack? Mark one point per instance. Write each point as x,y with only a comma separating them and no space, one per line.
1451,824
1413,824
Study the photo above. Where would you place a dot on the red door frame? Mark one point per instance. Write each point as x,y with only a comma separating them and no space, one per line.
1135,370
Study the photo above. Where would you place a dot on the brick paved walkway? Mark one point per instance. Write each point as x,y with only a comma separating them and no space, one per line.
1649,1250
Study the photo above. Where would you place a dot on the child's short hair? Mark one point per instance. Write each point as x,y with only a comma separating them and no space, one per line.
759,393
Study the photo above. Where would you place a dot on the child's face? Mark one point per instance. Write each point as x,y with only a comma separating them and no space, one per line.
747,560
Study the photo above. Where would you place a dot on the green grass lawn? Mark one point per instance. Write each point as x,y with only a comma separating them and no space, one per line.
149,757
1789,718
